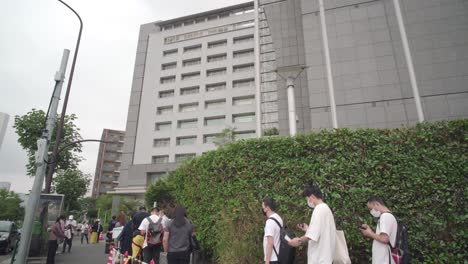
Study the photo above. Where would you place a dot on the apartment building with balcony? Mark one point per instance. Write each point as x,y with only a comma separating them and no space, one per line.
107,172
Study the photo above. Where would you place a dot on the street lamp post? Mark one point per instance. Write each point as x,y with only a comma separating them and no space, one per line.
51,167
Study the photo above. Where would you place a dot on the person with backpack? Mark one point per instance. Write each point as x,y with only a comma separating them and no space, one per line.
320,234
179,238
271,237
151,228
385,232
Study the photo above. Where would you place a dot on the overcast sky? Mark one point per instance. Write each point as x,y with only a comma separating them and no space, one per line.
33,36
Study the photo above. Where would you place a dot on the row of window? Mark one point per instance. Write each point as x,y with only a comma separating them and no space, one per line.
211,58
212,87
210,104
209,73
206,18
208,121
191,140
210,45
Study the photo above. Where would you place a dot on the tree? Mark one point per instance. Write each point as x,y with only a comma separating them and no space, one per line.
226,136
10,208
29,128
161,191
73,184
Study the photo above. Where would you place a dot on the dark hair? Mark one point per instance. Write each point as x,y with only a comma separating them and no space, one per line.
62,217
375,198
141,208
155,209
270,203
179,216
113,217
312,190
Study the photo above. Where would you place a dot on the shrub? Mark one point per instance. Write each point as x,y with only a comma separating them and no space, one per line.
420,171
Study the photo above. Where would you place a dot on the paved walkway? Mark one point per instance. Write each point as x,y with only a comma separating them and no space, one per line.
83,254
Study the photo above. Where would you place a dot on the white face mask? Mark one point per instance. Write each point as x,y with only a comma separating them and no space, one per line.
375,213
310,204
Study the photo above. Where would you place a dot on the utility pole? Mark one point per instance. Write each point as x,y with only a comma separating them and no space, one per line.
41,155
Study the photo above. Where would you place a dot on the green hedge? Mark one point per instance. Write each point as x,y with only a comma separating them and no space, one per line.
421,172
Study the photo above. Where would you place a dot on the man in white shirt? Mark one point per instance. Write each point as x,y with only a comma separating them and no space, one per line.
271,239
321,233
150,251
385,232
70,229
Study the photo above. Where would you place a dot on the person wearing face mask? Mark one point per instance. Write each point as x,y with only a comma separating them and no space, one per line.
385,231
320,234
271,238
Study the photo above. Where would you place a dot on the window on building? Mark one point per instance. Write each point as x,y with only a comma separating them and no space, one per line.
188,107
193,48
160,159
152,177
168,79
212,17
216,72
243,118
200,20
191,62
217,57
243,83
243,53
162,110
184,157
215,104
223,15
190,76
243,39
190,123
217,44
190,90
189,22
215,87
166,94
243,100
163,126
171,52
168,27
190,140
209,138
244,135
215,121
243,67
177,25
161,142
168,66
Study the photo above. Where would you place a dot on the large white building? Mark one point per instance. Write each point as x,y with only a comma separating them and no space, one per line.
194,76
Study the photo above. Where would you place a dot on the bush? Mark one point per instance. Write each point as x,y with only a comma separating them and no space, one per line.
420,171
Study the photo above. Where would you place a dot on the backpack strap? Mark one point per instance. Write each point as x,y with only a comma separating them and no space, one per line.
271,218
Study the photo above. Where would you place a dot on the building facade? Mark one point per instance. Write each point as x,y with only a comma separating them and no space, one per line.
196,75
108,163
3,126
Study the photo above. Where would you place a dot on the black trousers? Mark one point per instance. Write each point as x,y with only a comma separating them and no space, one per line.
84,235
182,257
52,248
152,252
68,242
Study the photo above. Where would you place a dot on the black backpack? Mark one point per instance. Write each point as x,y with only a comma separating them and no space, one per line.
400,252
286,254
155,232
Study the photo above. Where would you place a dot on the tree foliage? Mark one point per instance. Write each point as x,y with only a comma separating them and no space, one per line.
73,184
10,208
226,136
420,171
29,128
162,192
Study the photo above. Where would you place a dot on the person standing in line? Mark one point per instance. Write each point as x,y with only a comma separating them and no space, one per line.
56,232
271,238
70,227
321,233
385,232
177,238
151,251
165,220
84,232
138,240
121,218
97,229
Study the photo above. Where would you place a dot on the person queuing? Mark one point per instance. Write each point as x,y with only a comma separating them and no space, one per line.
177,238
385,231
321,233
271,238
84,231
152,245
70,229
57,232
97,229
138,239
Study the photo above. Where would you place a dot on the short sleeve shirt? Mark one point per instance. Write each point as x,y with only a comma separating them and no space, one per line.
179,236
380,252
322,235
144,227
273,230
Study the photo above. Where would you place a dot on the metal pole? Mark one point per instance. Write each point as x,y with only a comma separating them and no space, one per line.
326,51
409,60
58,137
42,148
291,106
258,93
